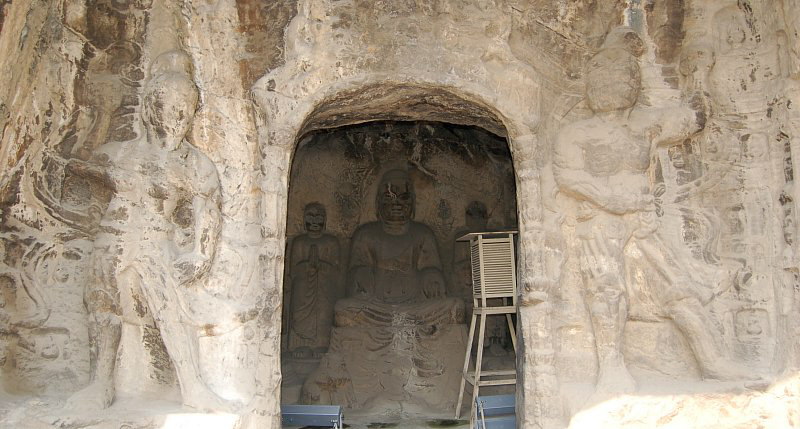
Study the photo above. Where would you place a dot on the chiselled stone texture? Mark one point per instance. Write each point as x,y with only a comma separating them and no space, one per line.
262,25
3,5
654,147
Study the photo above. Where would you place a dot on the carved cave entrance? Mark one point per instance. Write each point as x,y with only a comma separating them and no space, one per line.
377,305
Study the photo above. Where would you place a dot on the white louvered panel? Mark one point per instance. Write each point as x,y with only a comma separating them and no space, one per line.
497,262
476,267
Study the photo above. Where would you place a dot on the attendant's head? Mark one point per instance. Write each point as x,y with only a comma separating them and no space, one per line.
314,218
476,216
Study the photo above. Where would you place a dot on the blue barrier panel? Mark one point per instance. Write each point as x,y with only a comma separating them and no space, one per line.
312,415
495,412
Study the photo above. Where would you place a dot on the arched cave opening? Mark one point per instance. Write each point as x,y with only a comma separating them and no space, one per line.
377,294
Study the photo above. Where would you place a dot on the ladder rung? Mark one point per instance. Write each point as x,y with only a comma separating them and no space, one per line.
498,372
470,377
497,382
503,382
495,310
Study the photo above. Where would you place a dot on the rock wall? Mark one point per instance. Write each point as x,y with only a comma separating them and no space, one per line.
655,176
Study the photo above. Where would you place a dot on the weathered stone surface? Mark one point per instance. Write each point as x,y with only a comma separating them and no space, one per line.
718,191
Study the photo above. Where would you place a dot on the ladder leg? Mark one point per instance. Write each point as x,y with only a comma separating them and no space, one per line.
466,366
513,332
478,361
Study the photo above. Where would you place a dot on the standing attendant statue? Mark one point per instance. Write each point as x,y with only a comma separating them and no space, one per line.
314,279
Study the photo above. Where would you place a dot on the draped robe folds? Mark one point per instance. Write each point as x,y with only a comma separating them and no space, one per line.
314,282
387,274
397,331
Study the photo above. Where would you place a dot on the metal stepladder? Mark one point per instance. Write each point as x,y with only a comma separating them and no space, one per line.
494,293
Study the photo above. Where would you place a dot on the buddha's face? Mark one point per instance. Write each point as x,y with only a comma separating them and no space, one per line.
396,200
612,81
314,219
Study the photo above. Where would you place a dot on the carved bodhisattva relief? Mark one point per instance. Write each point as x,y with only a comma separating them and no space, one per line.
603,164
157,236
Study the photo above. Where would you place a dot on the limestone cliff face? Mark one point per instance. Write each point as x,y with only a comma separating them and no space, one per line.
722,191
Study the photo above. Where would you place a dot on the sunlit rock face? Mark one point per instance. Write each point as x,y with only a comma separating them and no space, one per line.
186,187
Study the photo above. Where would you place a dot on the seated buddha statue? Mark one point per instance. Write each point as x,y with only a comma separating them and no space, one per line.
395,265
398,339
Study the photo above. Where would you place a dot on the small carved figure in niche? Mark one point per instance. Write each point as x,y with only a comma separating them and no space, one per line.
700,233
157,237
314,279
603,164
740,89
789,228
476,219
696,61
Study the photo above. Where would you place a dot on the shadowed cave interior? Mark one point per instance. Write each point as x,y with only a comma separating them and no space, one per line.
376,290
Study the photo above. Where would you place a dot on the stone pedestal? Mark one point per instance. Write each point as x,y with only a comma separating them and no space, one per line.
400,370
397,360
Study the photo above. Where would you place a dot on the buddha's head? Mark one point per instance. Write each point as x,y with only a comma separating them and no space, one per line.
395,199
314,218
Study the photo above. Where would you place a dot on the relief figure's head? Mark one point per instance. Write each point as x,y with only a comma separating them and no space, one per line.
613,78
395,200
696,57
314,218
170,101
613,81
